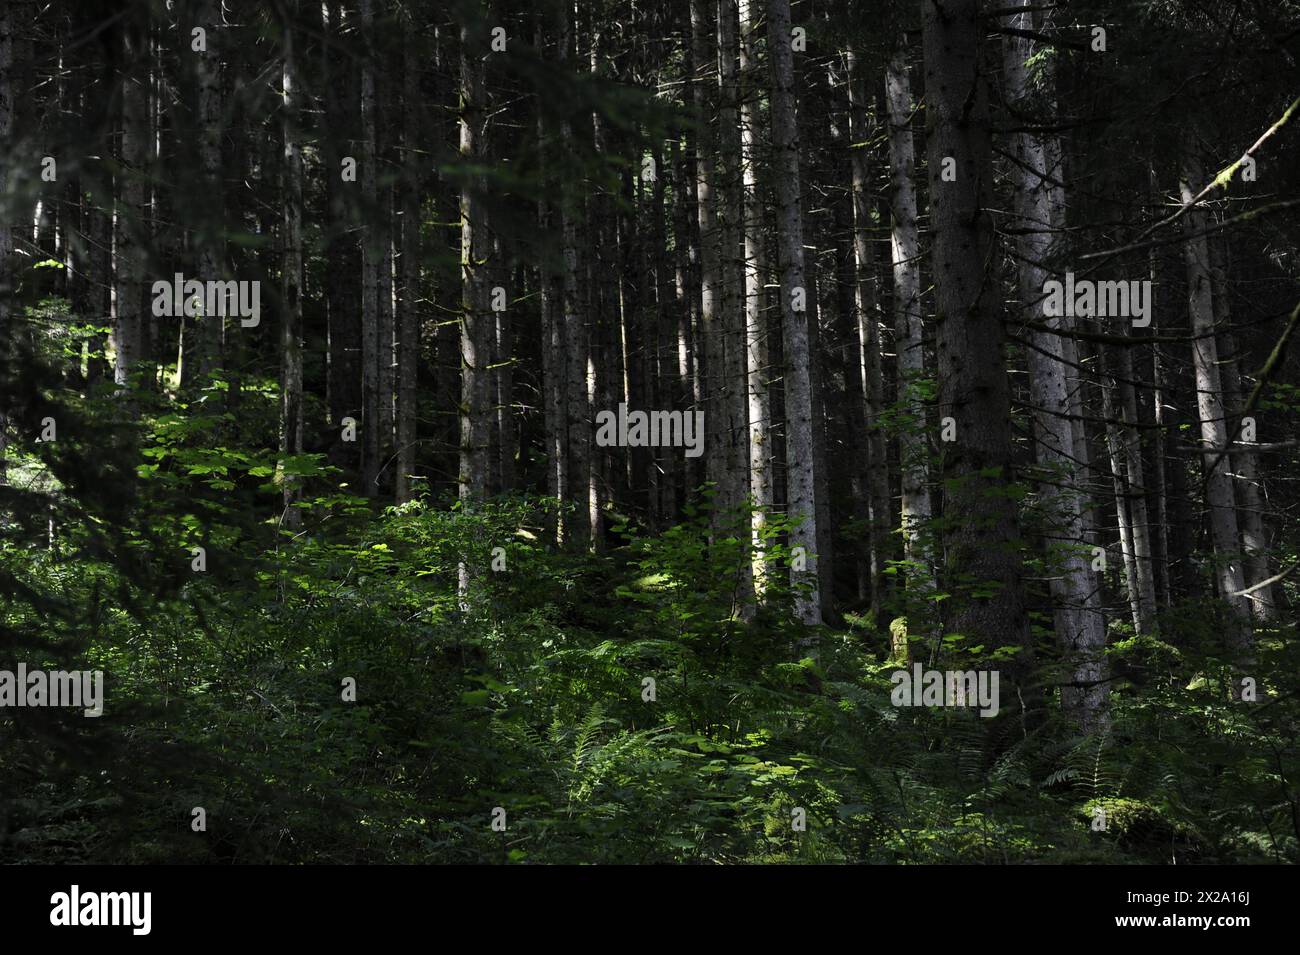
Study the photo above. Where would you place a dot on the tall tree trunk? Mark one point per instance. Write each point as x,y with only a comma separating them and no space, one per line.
476,321
581,521
868,323
849,322
1135,468
1216,464
801,503
1124,497
735,377
689,395
554,370
372,258
130,221
984,563
7,285
756,350
342,253
408,344
709,357
291,321
1080,626
200,352
1245,463
909,344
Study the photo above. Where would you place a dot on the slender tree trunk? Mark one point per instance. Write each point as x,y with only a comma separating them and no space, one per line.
1134,466
1217,480
868,331
130,220
801,503
689,395
849,322
578,397
756,350
408,344
476,321
1124,523
372,258
1244,461
291,321
709,357
554,371
661,339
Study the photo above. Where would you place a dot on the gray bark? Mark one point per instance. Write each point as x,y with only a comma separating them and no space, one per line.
800,476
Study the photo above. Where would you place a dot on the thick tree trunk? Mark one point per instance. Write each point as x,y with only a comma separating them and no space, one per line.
1080,626
801,504
343,305
913,445
984,562
200,352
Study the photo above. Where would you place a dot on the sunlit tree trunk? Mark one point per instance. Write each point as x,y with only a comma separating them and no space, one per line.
800,477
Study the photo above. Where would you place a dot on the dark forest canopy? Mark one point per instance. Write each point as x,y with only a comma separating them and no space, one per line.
676,431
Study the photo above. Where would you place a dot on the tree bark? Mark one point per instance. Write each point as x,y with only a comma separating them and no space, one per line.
372,258
870,370
913,446
1080,626
129,340
291,320
984,562
1245,462
756,350
801,503
408,343
1217,480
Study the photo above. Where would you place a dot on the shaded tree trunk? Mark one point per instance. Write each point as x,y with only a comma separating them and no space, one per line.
983,558
291,320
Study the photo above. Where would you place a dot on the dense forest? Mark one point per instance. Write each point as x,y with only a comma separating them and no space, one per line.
697,431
